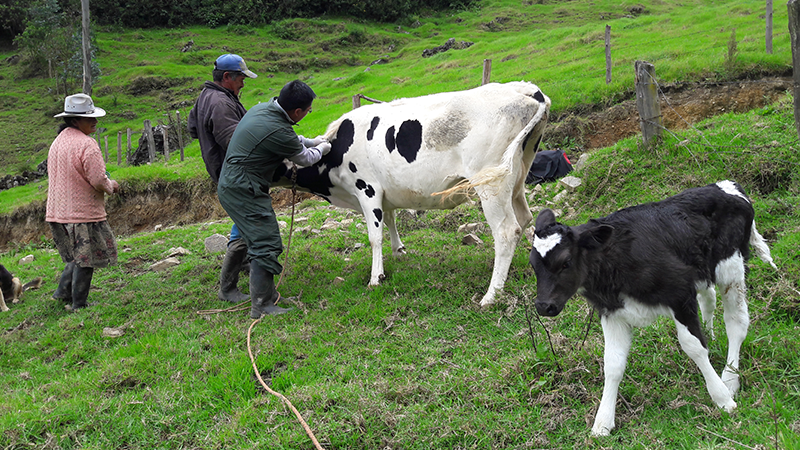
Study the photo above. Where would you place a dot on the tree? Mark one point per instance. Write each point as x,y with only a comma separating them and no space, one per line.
51,45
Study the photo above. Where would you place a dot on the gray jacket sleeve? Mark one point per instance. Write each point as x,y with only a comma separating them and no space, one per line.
309,156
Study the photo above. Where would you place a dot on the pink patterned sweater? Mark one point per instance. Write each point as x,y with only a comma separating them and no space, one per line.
78,180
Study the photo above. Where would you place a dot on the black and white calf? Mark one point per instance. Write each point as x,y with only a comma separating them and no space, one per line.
650,260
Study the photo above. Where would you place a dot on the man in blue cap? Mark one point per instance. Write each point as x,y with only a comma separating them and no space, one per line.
212,121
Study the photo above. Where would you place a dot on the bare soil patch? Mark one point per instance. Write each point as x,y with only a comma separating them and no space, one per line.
682,105
139,209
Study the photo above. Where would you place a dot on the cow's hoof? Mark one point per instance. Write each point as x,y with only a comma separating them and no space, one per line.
602,430
729,407
731,381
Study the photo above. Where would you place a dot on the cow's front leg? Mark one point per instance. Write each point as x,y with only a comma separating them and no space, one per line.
374,217
389,217
617,335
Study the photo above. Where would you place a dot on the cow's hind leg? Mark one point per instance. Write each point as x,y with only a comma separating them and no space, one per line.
690,337
730,278
499,212
707,298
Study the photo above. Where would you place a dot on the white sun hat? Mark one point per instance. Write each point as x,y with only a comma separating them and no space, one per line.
80,105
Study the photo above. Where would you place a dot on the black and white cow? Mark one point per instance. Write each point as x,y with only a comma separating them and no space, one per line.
650,260
402,153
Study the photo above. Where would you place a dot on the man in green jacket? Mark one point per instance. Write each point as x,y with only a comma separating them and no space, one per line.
261,142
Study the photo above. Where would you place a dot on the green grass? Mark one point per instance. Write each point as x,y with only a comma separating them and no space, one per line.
413,363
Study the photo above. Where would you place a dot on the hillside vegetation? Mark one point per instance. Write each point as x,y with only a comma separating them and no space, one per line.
413,363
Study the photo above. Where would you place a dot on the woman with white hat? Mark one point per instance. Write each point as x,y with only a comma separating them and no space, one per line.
76,201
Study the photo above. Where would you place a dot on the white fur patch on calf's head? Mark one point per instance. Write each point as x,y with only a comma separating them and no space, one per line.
544,245
729,188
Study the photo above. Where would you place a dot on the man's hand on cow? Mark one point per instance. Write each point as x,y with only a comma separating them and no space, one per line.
324,147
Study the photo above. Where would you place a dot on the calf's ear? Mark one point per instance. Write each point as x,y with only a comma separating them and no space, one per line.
595,236
545,219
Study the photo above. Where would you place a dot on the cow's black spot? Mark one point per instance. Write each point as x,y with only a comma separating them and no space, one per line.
370,191
409,139
378,214
538,96
280,171
352,167
377,224
361,184
319,182
390,139
372,126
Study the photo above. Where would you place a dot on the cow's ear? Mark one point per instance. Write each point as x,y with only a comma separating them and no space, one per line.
595,236
545,219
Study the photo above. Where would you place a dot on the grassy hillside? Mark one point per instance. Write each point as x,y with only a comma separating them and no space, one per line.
414,363
558,45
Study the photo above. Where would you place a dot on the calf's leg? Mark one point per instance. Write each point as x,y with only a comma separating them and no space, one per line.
617,335
707,298
730,277
693,346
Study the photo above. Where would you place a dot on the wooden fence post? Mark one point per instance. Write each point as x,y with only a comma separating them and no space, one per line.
105,138
608,54
487,71
119,148
356,101
794,32
647,102
151,144
128,153
165,135
180,131
768,38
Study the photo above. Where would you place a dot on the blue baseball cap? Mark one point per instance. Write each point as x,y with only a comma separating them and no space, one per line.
233,63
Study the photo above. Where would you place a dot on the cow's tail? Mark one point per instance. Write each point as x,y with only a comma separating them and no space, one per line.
494,175
760,245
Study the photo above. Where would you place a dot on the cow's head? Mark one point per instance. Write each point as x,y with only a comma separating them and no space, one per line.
559,259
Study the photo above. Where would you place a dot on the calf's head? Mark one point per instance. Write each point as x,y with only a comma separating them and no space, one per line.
560,257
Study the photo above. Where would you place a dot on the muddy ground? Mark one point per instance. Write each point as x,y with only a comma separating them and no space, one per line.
171,203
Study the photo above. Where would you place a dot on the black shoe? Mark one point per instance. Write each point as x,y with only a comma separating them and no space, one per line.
81,282
64,289
263,294
229,276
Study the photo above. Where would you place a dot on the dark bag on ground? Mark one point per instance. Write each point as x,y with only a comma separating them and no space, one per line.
548,165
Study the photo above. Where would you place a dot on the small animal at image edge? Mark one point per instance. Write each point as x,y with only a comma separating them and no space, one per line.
656,259
11,288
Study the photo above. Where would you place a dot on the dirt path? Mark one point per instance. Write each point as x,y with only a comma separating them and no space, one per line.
182,203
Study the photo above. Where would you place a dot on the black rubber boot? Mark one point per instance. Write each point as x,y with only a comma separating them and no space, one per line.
229,276
81,282
64,289
262,293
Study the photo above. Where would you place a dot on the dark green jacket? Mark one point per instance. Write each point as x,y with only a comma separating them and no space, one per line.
262,140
